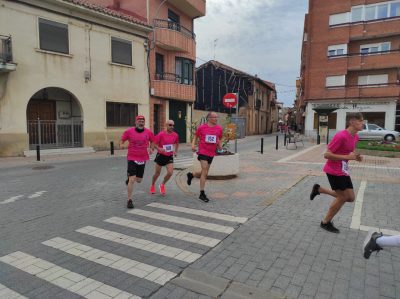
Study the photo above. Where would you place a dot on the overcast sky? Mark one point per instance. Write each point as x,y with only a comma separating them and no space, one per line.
260,37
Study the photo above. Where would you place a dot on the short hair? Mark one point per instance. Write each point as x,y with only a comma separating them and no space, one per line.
209,114
353,115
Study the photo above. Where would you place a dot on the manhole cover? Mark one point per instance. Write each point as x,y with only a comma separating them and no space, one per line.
42,167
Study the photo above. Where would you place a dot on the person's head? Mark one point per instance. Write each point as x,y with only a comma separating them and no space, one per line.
355,120
169,125
212,118
140,121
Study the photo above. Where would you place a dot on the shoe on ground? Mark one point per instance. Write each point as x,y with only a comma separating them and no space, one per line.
162,189
204,198
189,178
152,189
370,245
329,227
314,191
129,205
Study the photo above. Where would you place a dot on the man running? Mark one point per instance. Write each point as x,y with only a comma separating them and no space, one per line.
340,151
209,136
376,241
167,143
140,144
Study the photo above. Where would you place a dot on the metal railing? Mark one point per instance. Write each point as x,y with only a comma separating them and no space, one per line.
50,134
168,77
5,49
159,23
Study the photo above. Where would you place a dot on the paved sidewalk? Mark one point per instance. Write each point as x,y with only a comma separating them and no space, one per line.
281,251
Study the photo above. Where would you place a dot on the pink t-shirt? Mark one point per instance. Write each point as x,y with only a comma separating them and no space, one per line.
166,141
209,137
343,143
138,144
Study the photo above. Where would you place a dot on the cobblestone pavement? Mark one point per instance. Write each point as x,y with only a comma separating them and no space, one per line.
64,233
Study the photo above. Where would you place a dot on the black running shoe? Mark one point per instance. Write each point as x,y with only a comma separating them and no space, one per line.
189,178
314,191
329,227
370,244
203,197
130,204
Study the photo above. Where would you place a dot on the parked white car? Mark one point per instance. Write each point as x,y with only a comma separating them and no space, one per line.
375,132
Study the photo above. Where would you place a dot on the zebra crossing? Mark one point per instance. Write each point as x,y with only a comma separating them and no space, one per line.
151,231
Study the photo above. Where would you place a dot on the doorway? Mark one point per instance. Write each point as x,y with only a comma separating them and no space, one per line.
177,112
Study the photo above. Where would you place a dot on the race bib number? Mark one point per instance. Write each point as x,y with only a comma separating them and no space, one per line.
211,139
345,167
168,148
140,162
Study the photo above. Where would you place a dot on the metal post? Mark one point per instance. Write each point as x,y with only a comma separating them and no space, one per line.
73,135
327,135
39,133
318,139
262,145
277,139
237,119
284,140
112,147
37,152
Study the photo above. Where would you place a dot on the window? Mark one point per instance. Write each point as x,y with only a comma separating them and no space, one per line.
121,51
173,21
340,18
375,48
121,114
53,36
370,13
373,79
333,81
356,13
395,9
382,11
159,66
184,70
337,50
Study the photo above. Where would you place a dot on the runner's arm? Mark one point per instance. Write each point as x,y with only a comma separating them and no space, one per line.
194,142
176,149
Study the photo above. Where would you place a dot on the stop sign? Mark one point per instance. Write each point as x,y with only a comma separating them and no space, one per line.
229,100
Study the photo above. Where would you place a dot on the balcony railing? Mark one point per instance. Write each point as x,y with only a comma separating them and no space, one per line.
173,78
5,49
165,24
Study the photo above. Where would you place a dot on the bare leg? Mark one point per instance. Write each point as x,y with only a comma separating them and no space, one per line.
204,172
342,197
327,191
131,182
157,171
170,171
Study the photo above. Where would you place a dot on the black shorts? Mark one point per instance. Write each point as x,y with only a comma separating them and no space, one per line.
163,160
339,182
135,169
205,158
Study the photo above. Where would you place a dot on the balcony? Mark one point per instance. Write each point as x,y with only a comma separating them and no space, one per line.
374,61
374,29
192,8
388,90
173,36
168,85
6,59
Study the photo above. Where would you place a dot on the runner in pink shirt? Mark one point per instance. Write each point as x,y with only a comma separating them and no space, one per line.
340,151
140,144
209,136
167,143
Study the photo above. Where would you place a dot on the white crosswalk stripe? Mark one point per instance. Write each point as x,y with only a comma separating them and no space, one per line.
198,212
7,293
63,278
141,271
154,274
161,249
164,231
184,221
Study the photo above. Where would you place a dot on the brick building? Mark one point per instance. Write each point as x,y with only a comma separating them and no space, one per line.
350,62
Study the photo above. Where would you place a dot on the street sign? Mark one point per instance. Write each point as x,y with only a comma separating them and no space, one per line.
229,100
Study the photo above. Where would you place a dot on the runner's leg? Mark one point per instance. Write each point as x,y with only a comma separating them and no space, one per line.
157,171
204,172
170,171
342,197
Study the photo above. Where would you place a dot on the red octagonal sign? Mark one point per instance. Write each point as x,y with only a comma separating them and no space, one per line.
229,100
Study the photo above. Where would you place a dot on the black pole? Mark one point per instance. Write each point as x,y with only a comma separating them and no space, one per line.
318,139
277,139
327,135
284,140
37,152
262,145
112,147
